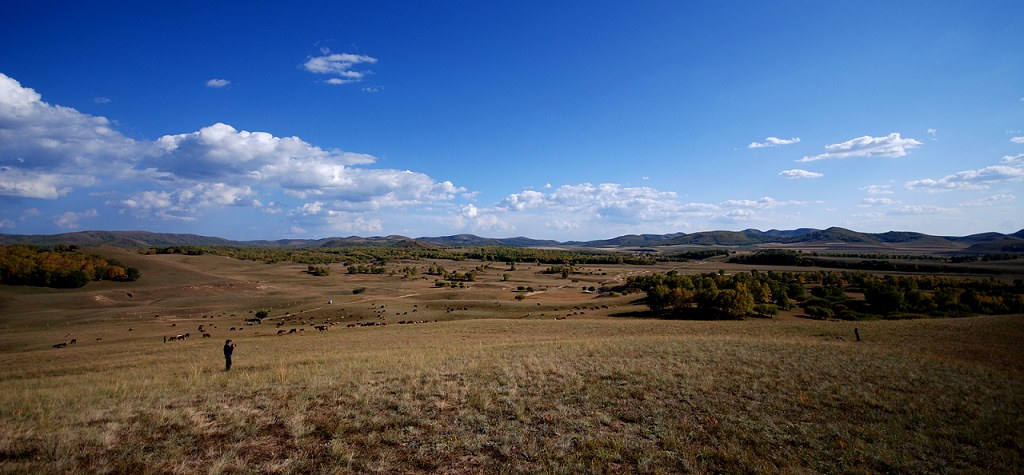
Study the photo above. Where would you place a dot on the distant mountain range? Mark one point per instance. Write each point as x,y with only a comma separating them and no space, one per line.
835,239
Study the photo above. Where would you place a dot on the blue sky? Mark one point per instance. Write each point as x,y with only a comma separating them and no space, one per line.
552,120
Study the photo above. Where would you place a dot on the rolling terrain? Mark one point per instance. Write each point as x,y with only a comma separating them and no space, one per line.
562,379
833,239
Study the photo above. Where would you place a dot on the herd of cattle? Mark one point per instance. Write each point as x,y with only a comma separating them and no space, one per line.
379,319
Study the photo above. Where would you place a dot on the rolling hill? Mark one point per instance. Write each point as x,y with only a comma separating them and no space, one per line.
834,237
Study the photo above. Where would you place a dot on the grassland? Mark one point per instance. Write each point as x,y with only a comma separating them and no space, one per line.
490,384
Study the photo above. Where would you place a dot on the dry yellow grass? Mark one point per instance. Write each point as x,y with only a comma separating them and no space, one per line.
487,389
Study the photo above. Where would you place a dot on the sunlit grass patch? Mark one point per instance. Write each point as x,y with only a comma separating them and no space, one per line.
536,396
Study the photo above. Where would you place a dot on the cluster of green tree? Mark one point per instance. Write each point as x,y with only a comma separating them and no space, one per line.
1002,256
553,256
936,296
436,269
697,255
778,257
772,257
461,277
60,267
384,254
826,294
565,270
318,270
366,269
879,255
712,295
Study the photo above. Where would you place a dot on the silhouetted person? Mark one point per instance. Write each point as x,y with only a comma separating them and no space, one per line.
229,347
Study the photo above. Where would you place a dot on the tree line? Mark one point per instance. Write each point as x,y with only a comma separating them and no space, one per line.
60,267
777,257
826,294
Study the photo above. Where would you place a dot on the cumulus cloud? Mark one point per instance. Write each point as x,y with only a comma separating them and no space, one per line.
796,174
919,210
221,150
300,169
341,66
69,220
969,179
1014,159
183,204
610,200
773,142
218,83
1017,139
47,150
878,189
878,202
618,209
765,202
989,201
892,145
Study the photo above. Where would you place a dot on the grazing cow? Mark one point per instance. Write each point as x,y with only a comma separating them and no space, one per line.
291,331
73,341
280,332
322,328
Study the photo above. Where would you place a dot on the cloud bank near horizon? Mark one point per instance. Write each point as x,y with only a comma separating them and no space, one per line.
50,152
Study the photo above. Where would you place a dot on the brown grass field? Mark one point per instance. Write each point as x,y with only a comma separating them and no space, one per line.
489,385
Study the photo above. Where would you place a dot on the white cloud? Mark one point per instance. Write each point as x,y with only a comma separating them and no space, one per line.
969,179
6,224
989,201
69,220
590,205
920,210
765,202
218,83
34,184
799,174
892,145
616,209
878,189
933,132
773,142
878,202
1012,159
101,100
1017,139
46,151
185,203
341,66
220,150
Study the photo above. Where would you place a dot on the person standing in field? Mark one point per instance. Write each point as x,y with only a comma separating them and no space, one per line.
229,348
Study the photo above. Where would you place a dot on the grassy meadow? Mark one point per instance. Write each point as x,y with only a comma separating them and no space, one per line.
489,384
